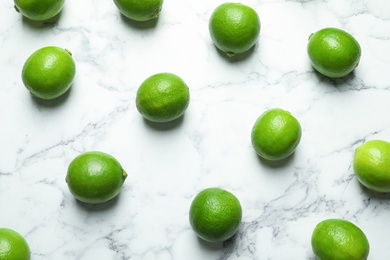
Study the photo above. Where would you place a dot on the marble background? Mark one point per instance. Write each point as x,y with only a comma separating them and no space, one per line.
210,146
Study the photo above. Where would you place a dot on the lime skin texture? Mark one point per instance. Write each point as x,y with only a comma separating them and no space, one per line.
162,97
371,165
337,239
215,215
13,246
49,72
138,10
276,134
234,28
95,177
39,10
333,52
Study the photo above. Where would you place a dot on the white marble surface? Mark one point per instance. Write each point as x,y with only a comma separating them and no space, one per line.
210,146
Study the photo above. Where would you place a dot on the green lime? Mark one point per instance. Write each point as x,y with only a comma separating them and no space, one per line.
39,10
276,134
95,177
13,246
215,214
162,97
333,52
49,72
337,239
234,28
140,10
371,164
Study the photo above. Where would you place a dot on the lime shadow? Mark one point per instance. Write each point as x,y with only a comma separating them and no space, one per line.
335,82
226,246
151,24
237,57
52,102
52,22
165,126
98,207
210,246
276,163
374,195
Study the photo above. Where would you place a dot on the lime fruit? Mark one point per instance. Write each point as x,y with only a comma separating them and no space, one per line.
95,177
39,10
162,97
13,246
140,10
333,52
49,72
276,134
215,214
337,239
371,164
234,28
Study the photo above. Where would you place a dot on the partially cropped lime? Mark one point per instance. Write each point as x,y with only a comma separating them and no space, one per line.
141,11
162,97
371,164
13,246
333,52
215,214
337,239
49,72
234,28
39,10
276,134
95,177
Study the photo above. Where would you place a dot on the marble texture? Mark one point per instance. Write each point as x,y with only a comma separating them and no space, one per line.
210,146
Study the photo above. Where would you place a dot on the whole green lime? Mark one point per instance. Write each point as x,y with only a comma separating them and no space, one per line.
95,177
13,246
215,214
371,164
234,28
337,239
39,10
276,134
49,72
162,97
141,11
333,52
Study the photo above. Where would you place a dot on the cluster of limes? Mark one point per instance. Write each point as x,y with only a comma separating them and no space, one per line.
215,214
